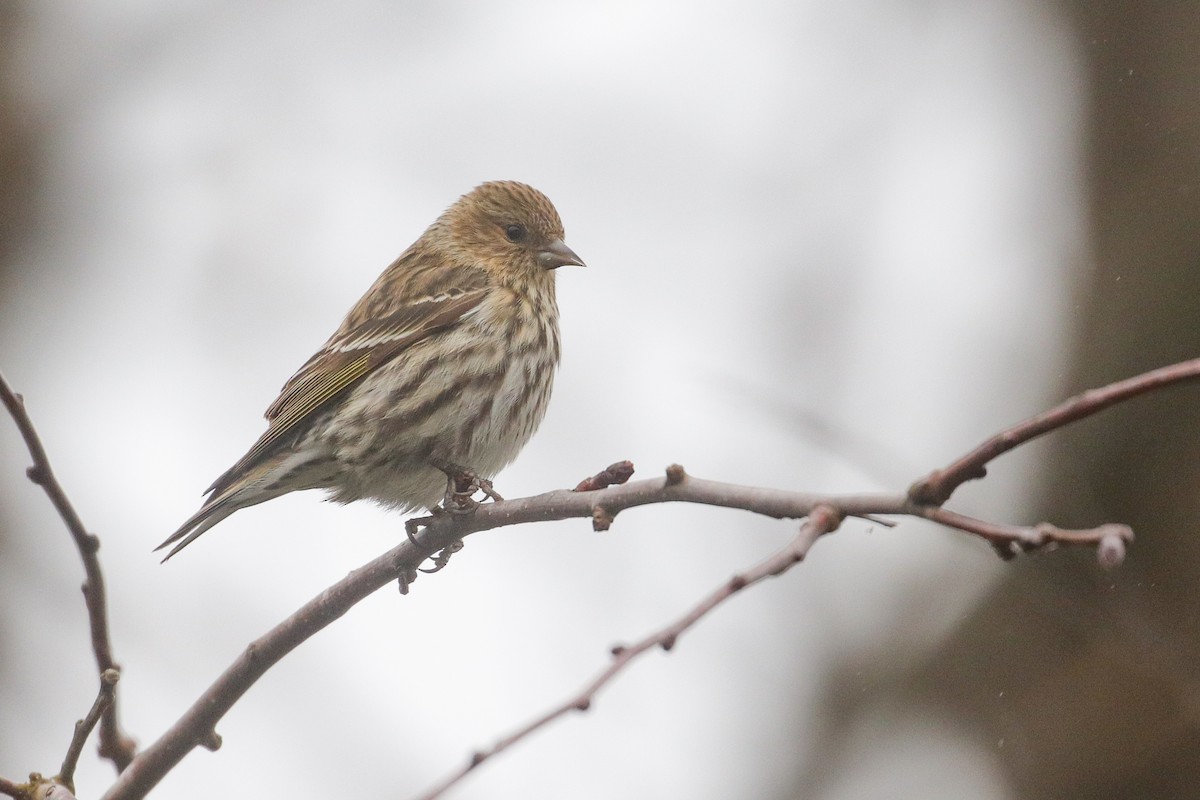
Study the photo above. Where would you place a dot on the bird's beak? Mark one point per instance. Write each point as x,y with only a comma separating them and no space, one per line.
557,254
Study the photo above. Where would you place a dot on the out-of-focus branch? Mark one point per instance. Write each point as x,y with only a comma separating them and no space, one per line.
114,744
936,487
823,519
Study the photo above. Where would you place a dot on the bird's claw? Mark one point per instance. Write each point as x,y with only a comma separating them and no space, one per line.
443,557
414,525
461,485
439,559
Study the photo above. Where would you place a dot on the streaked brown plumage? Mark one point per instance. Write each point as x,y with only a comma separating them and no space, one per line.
445,364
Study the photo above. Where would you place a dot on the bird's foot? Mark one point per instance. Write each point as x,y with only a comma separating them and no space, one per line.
440,559
461,486
412,526
443,557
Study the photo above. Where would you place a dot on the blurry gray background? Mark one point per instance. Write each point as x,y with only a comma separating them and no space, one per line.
830,246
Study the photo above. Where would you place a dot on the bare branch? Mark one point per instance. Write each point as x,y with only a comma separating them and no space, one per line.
197,726
442,532
823,520
936,487
114,745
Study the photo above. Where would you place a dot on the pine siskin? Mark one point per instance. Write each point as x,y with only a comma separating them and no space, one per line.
443,368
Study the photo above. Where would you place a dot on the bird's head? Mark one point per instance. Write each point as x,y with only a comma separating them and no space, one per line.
510,229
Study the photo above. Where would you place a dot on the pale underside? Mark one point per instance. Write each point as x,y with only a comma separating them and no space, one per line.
472,405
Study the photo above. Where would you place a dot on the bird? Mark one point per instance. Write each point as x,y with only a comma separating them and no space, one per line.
435,380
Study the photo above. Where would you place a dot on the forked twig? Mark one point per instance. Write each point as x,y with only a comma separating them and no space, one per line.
114,744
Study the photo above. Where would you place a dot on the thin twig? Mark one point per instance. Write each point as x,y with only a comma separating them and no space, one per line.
114,745
936,487
822,520
1110,538
84,727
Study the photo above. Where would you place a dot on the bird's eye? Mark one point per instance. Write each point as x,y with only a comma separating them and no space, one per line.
515,233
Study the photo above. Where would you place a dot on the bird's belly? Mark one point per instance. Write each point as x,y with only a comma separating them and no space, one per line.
408,419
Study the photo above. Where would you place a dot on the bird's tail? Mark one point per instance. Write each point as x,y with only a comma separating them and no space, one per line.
233,491
212,512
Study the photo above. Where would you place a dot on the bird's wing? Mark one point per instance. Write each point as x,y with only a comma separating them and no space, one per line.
352,354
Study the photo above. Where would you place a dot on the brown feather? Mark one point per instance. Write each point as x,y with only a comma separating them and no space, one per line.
331,372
